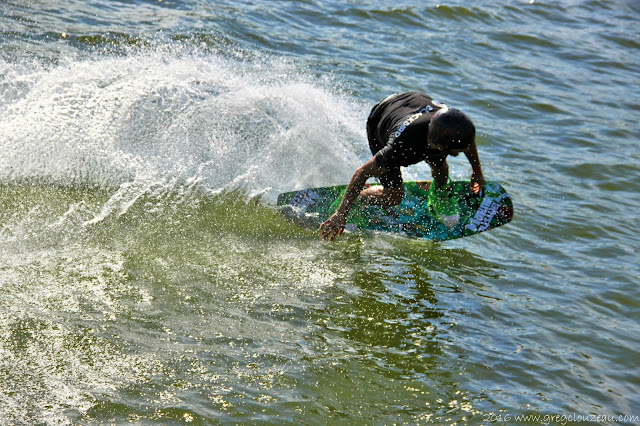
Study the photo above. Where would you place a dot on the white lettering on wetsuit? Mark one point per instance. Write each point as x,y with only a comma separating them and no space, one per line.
410,120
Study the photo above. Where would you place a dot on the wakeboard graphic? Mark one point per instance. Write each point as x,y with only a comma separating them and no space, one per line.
481,212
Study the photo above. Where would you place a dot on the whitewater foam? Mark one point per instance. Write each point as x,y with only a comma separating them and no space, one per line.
157,118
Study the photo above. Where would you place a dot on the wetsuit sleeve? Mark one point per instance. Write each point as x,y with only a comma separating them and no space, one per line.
389,156
386,158
436,159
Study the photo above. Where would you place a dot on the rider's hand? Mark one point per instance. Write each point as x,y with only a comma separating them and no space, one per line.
477,181
333,226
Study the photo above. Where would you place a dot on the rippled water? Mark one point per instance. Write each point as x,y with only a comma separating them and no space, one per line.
145,276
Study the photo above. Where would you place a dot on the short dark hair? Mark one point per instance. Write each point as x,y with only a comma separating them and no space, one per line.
452,129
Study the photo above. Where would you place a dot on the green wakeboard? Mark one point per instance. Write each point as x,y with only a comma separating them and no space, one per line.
489,209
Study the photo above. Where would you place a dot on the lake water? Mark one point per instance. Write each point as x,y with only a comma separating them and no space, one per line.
145,276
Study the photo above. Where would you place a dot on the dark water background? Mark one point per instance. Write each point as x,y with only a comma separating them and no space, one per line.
145,277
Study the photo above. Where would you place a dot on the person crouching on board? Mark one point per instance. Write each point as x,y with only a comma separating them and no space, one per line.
405,129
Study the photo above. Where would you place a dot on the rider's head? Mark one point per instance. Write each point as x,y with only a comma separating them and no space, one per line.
451,129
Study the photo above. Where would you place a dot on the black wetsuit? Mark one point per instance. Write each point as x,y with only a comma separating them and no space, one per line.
397,130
